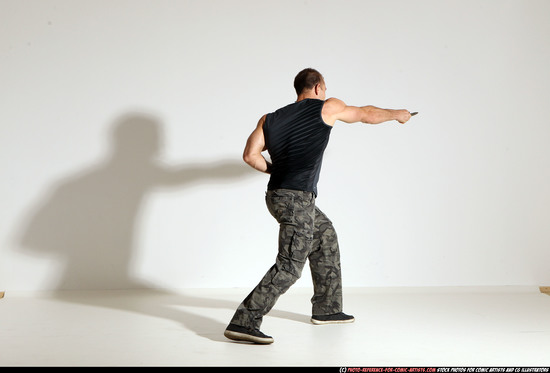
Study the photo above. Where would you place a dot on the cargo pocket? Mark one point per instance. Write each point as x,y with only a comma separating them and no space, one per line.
294,248
281,208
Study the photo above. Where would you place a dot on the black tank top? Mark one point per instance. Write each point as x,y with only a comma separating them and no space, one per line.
296,137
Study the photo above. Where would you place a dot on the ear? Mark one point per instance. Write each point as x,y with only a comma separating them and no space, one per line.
317,88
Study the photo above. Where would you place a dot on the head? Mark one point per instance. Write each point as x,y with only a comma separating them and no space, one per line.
137,136
309,83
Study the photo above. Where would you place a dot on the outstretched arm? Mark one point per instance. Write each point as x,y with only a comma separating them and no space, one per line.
255,145
335,109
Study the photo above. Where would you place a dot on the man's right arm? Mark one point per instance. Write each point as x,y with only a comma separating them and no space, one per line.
335,109
255,145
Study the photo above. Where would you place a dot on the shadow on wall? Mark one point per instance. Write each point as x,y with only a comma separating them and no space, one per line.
88,224
88,221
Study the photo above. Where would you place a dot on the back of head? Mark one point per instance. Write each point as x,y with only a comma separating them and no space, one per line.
137,135
307,79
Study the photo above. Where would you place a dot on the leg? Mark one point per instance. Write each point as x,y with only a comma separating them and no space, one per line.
324,262
295,212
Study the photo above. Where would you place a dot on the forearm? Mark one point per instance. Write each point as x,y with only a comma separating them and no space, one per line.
375,115
258,162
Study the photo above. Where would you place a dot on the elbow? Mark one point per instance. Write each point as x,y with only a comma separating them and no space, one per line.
368,115
248,158
371,115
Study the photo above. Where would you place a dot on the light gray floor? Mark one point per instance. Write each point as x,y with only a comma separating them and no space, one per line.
394,327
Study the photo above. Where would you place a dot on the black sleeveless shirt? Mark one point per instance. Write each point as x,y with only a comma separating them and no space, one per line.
296,137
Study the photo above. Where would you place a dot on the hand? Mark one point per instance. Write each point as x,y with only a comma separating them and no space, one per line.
403,116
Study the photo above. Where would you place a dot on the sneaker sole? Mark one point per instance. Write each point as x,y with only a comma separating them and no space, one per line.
236,336
321,322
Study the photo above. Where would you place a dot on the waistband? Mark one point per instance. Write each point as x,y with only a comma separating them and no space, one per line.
299,193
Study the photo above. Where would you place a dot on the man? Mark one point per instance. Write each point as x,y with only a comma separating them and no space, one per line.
296,137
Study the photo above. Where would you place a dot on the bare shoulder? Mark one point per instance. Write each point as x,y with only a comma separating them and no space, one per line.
333,105
259,126
331,110
261,121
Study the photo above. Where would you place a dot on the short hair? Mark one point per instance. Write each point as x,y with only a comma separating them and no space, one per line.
307,79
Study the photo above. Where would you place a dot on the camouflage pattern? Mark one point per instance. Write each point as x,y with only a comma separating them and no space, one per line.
305,234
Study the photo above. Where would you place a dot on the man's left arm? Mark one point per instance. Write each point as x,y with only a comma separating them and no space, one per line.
255,145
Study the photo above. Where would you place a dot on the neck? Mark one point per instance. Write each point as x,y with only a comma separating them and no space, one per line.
306,95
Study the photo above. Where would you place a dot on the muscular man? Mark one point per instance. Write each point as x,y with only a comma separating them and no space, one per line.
296,137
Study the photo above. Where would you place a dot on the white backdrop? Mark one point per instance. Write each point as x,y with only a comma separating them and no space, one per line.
123,122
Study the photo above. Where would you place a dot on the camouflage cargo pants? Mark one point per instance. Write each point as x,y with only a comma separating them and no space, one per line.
305,234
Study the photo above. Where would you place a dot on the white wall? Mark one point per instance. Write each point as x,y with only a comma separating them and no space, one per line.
458,196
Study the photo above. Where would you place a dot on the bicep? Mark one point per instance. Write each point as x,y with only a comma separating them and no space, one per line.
336,109
350,114
256,141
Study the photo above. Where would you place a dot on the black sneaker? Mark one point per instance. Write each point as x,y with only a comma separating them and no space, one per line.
240,333
337,318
